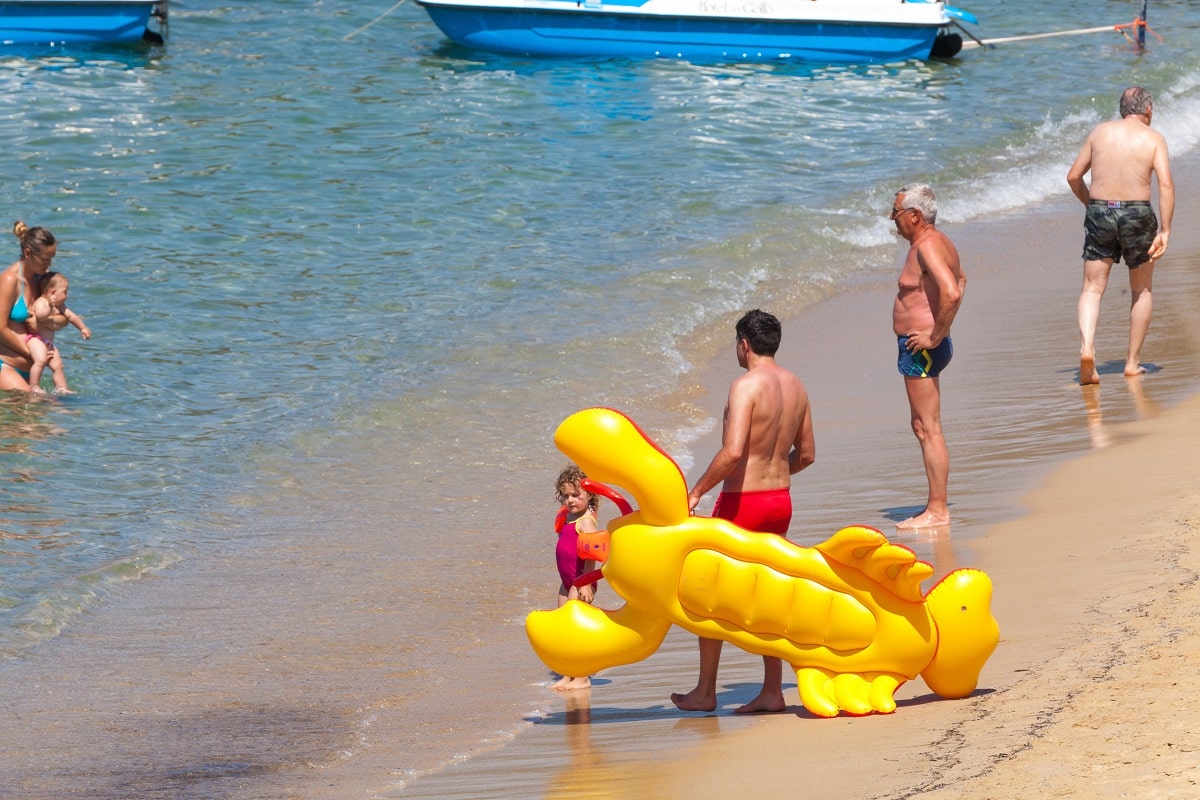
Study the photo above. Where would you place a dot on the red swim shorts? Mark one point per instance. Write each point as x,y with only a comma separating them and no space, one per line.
767,511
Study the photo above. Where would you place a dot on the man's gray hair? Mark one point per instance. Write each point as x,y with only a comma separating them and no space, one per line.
1135,100
919,196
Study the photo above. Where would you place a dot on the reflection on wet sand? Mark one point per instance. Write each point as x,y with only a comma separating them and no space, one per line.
1143,404
584,773
1146,408
933,544
599,766
1095,420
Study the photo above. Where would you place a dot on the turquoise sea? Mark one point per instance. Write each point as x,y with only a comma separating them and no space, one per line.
343,283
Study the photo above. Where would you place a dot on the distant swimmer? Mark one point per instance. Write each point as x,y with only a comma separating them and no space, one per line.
1122,156
930,291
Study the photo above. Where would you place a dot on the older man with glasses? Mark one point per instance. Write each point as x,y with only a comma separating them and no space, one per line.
931,287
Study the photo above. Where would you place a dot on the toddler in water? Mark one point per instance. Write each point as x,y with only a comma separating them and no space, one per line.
577,515
50,314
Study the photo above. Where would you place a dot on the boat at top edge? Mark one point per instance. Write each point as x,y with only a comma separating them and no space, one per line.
80,22
830,31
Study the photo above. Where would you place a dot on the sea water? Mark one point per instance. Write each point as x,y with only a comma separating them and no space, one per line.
343,283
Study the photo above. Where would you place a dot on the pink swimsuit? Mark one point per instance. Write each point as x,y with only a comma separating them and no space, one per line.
570,565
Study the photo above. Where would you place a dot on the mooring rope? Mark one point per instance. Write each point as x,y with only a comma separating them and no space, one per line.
351,35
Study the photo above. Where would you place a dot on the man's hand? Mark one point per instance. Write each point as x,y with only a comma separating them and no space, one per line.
918,340
1160,245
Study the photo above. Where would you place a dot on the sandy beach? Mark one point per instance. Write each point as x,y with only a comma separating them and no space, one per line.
1080,503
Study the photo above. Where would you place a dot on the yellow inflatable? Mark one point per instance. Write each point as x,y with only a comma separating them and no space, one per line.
848,614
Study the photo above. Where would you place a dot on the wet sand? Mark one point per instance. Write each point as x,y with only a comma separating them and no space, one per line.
1080,502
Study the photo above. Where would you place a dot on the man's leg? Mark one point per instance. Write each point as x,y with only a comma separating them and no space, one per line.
770,697
1095,281
1141,309
925,402
704,696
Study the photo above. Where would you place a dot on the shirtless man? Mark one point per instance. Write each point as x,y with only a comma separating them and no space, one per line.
767,438
1122,155
930,291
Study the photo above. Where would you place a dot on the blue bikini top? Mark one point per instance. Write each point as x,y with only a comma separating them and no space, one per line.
20,309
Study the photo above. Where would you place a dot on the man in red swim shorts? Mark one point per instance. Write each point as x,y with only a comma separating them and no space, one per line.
767,437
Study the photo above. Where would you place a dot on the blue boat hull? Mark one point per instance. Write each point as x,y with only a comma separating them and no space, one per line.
582,33
52,22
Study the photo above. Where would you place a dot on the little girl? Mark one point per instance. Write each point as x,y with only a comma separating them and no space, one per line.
577,515
50,314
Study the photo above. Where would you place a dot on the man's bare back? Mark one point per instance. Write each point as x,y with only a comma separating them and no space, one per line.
1121,155
776,402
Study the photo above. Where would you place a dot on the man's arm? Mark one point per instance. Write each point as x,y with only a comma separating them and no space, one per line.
735,438
804,450
1083,163
1166,199
931,255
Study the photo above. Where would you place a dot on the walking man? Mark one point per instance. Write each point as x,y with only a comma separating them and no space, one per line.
1122,156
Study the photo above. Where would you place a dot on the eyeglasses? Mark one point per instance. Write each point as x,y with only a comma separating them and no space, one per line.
898,211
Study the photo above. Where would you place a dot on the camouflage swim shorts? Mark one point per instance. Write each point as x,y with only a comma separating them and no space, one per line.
1119,229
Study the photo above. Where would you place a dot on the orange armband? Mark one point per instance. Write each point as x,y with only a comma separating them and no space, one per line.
593,546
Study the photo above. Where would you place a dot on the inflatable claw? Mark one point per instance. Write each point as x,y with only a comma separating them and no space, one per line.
848,614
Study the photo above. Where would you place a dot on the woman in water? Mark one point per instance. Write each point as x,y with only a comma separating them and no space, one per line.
18,292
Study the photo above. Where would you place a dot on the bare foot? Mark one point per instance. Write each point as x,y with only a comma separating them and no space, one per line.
1087,371
695,700
926,519
571,684
1135,370
765,703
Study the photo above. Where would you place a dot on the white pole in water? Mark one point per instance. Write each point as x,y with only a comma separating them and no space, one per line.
1006,39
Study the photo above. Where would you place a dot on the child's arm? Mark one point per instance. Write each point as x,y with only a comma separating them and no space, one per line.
78,322
41,310
587,592
587,524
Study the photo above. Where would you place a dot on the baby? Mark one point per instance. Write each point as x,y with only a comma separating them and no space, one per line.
50,314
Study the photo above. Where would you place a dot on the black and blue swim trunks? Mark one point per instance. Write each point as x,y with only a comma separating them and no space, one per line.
1119,229
924,363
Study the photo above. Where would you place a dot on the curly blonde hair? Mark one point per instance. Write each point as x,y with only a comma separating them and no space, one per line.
572,476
